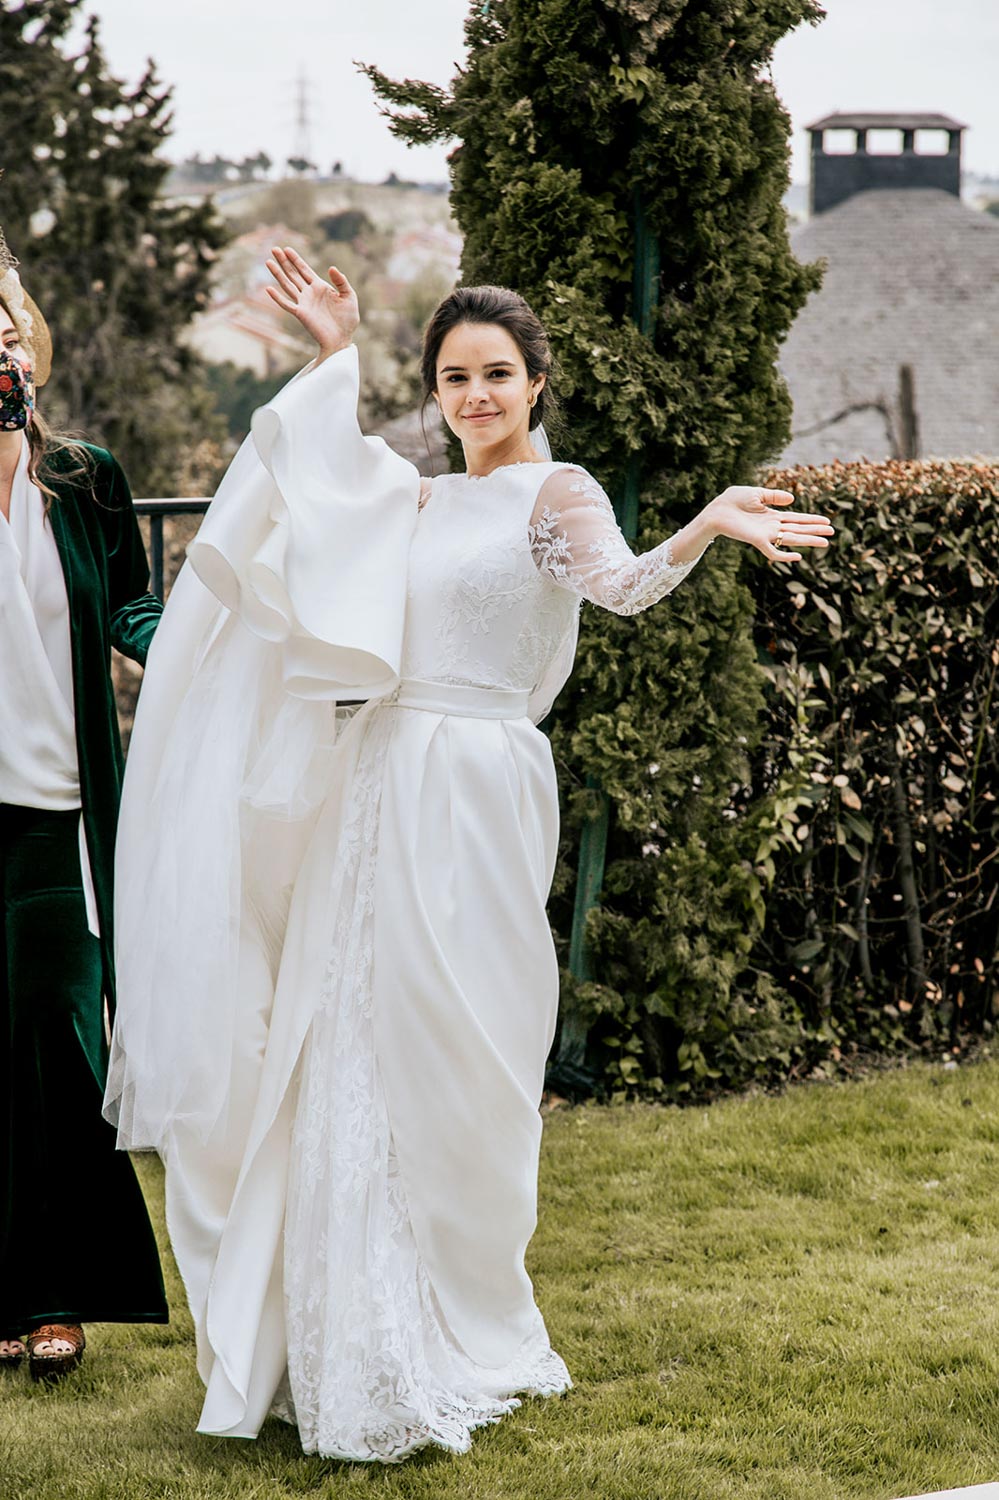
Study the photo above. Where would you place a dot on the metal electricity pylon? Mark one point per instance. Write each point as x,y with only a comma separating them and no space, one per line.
301,159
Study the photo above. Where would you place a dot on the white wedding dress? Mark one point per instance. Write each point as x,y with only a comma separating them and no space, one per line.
337,984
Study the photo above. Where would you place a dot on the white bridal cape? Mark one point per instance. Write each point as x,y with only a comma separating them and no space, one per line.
337,985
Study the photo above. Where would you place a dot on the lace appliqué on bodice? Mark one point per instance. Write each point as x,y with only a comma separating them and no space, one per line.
478,611
481,608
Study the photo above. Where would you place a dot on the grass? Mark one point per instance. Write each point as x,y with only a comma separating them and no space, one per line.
769,1299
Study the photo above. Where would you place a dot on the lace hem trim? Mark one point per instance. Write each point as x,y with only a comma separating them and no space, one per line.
390,1437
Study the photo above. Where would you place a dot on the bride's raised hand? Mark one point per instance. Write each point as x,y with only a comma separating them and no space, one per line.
327,310
747,513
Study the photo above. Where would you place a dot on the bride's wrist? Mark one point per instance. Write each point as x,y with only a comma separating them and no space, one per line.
326,350
707,525
693,540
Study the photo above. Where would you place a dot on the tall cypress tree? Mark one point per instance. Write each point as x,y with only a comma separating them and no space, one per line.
117,270
594,134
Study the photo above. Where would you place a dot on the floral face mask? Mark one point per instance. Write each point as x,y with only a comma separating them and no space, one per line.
17,393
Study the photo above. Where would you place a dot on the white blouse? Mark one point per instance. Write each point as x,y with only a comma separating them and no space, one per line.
38,764
38,760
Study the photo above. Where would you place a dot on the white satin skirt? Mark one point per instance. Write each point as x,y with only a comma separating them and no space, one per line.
352,1238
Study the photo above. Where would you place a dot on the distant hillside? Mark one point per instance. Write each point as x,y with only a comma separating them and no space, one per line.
398,245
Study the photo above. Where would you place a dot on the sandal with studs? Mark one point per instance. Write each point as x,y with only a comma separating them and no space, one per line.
11,1351
55,1363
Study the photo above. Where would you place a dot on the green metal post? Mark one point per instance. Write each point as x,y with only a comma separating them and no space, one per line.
593,840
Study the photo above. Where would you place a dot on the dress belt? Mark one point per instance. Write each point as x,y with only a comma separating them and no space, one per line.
465,701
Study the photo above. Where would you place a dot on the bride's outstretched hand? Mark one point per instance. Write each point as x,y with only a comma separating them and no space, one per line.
326,309
747,513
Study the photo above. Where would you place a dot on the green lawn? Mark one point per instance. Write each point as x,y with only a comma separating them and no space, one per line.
769,1298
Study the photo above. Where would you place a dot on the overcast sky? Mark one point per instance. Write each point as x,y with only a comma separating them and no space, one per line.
234,66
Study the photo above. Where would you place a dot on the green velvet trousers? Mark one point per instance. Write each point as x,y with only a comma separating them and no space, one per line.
76,1244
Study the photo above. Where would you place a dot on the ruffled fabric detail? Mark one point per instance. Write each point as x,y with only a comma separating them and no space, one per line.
236,727
289,541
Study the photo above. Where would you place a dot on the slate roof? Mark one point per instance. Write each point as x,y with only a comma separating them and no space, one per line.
868,120
912,278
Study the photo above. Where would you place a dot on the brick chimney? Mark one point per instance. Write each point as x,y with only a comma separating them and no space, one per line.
837,176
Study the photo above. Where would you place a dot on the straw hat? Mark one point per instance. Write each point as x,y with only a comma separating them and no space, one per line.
24,310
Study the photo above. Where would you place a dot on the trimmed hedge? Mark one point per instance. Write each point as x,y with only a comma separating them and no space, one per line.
882,920
858,912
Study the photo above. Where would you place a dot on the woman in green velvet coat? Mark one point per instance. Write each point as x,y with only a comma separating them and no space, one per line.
73,582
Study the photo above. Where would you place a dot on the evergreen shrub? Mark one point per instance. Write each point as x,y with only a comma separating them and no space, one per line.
573,117
117,269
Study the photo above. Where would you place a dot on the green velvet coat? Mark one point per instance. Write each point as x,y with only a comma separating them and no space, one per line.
107,582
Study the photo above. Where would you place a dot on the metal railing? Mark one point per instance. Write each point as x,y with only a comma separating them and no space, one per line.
157,511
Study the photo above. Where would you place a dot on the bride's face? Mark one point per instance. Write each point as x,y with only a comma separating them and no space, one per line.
483,388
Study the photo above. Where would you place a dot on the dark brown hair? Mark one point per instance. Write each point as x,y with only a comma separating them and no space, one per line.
492,304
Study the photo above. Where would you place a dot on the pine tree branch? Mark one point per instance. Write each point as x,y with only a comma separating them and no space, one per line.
432,108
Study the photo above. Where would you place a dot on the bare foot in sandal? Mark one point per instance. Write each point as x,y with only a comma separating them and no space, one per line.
54,1350
12,1352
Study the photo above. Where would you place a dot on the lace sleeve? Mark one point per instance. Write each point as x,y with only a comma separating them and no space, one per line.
577,543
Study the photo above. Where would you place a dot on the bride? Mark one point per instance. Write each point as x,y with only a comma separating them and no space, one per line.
337,983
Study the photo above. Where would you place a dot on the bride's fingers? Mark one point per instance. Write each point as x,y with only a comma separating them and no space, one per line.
339,282
779,554
776,497
287,286
290,270
287,303
298,266
801,518
287,272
